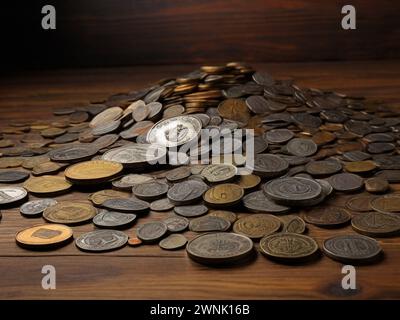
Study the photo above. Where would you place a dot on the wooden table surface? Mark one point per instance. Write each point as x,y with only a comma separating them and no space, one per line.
148,272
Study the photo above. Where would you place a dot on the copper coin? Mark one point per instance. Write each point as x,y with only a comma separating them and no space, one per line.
99,197
327,216
47,185
257,226
360,203
360,166
376,224
173,242
223,195
227,215
387,204
377,185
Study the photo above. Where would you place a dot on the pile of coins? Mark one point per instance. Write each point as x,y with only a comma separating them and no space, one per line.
309,146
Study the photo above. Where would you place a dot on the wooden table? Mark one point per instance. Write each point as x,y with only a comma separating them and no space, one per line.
147,272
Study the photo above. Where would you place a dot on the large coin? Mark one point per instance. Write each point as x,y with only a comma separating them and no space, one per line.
47,185
257,226
219,248
151,231
346,182
113,220
186,192
219,172
293,191
209,224
288,246
102,240
258,202
175,131
301,147
129,205
387,204
352,249
223,195
376,224
36,207
45,236
95,171
173,242
327,216
70,213
270,166
377,185
74,153
11,195
150,190
13,176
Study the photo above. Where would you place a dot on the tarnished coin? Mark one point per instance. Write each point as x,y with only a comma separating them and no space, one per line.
209,224
293,224
191,211
360,203
10,162
376,185
186,192
387,204
376,224
129,205
173,242
95,171
257,104
136,155
36,207
346,182
392,176
108,115
360,166
288,247
327,216
45,236
47,185
73,153
351,248
176,224
102,240
70,213
324,167
302,147
227,215
178,174
257,201
151,231
269,165
161,205
47,168
13,176
227,194
219,248
248,181
150,190
127,182
234,109
278,135
256,226
12,195
113,220
174,131
215,173
293,191
99,197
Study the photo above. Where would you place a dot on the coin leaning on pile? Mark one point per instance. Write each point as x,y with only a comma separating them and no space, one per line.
153,175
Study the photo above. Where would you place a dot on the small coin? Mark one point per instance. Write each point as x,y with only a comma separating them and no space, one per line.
36,207
45,236
70,213
209,224
191,211
219,248
47,185
73,153
270,166
227,215
102,240
95,171
151,231
215,173
173,242
387,204
176,224
150,190
376,224
302,147
288,247
227,194
186,192
134,242
11,195
129,205
99,197
293,224
113,220
324,167
346,182
161,205
327,217
352,249
257,226
376,185
258,202
13,176
360,203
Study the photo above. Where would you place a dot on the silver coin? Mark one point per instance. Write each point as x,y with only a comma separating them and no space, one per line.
176,224
36,207
186,192
151,231
150,190
112,219
219,172
191,211
209,224
301,147
101,240
257,201
9,195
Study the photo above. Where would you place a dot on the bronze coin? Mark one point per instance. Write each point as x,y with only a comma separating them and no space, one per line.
387,204
70,213
376,224
234,109
46,236
248,181
360,203
346,182
99,197
223,195
227,215
293,224
377,185
327,216
173,242
47,185
360,166
257,226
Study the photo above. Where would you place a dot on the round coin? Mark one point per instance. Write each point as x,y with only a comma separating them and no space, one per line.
101,240
150,190
293,224
129,205
258,202
161,205
99,197
387,204
324,167
191,211
176,224
346,182
327,216
45,236
301,147
376,224
36,207
215,173
360,203
113,220
95,171
186,192
13,176
47,185
209,224
173,242
257,226
223,195
12,195
70,213
269,165
227,215
151,231
73,153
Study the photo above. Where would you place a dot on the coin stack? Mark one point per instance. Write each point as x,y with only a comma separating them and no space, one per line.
309,146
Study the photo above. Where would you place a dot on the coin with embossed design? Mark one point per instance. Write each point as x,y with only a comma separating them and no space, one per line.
113,220
70,212
151,231
95,171
102,240
36,207
327,216
376,224
256,226
47,185
44,236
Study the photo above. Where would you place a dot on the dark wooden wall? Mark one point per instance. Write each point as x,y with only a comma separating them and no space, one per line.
131,32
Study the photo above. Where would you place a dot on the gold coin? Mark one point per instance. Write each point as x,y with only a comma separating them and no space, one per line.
223,195
360,166
68,212
10,162
45,185
101,196
249,181
94,171
44,236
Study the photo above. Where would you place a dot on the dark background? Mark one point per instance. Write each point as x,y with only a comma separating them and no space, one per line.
105,33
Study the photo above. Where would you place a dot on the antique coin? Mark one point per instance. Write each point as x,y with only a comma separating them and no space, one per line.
257,201
227,215
293,224
269,165
173,242
346,182
178,174
227,194
288,247
352,249
101,240
44,236
36,207
376,224
219,248
209,224
301,147
248,181
113,220
186,192
176,224
278,135
129,205
11,195
99,197
152,231
161,205
95,171
47,185
150,190
73,153
360,166
108,115
191,211
360,203
127,182
215,173
13,176
376,185
70,213
324,167
256,226
327,216
387,204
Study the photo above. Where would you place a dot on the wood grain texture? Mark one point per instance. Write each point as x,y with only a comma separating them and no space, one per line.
100,33
148,272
